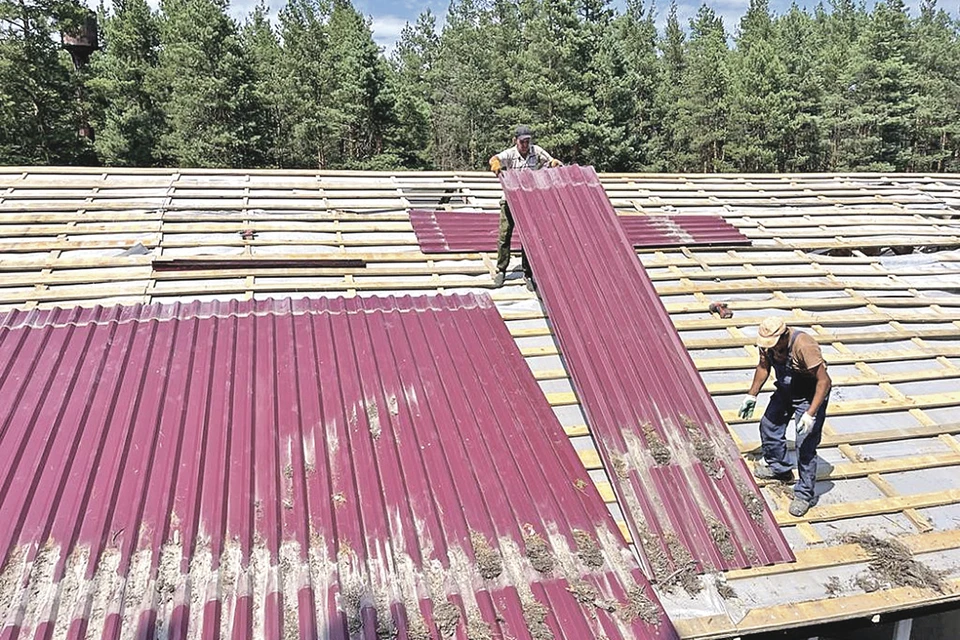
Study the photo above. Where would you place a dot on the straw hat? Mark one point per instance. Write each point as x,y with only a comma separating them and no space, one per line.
770,331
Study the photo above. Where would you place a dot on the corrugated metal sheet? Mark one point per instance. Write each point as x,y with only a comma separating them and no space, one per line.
330,468
464,231
685,490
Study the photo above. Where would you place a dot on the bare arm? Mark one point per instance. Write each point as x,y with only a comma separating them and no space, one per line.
760,376
824,383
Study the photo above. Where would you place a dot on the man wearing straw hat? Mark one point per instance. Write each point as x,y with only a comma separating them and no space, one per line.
801,394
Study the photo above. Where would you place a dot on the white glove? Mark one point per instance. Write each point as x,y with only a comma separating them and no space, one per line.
747,406
803,425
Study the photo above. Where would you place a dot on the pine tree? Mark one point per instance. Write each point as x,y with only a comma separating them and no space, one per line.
39,111
628,67
882,94
838,32
935,123
127,119
413,60
668,147
361,106
758,79
561,77
207,83
802,144
469,109
307,78
705,85
262,49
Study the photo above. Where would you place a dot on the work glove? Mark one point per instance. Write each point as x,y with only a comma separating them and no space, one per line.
747,406
803,425
495,165
555,163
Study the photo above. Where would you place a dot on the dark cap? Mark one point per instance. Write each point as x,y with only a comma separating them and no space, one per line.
524,133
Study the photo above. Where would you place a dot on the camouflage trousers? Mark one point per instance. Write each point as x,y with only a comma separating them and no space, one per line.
503,242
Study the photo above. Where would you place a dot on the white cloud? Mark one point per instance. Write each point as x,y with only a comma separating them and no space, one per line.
386,31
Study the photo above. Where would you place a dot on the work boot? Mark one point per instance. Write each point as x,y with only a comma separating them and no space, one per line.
799,507
763,471
499,278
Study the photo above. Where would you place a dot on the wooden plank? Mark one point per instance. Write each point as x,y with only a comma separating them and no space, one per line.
727,388
856,469
871,437
918,520
841,554
746,362
891,504
879,405
821,611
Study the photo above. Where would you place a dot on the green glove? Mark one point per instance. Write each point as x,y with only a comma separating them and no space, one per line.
747,406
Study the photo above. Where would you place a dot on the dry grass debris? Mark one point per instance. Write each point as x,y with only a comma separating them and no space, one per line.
892,564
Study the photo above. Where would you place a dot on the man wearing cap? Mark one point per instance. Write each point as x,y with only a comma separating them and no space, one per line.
801,394
524,155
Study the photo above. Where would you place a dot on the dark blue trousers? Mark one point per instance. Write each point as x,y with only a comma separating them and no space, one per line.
783,409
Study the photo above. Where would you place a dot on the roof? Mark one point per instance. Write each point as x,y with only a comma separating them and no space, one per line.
867,263
371,466
686,495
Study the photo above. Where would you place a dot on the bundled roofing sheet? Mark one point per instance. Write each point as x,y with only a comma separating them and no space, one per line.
463,231
331,468
686,493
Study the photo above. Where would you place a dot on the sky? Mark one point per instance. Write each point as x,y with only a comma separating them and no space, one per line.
388,17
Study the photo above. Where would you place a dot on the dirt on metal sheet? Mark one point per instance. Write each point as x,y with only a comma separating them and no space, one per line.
489,562
478,630
721,536
587,549
753,503
702,447
416,629
538,551
584,593
685,574
892,563
447,617
670,574
658,448
620,466
536,616
638,605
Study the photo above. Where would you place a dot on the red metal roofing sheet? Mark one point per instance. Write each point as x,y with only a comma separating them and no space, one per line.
683,486
446,231
330,468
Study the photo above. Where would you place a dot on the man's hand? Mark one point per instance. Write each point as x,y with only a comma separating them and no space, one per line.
803,425
495,165
555,163
747,406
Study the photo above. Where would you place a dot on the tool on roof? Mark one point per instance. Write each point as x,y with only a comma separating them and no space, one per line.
721,309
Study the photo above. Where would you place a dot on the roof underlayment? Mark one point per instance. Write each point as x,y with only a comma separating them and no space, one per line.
867,263
686,494
364,467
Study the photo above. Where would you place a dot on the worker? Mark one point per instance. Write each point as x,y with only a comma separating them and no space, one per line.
523,155
802,391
